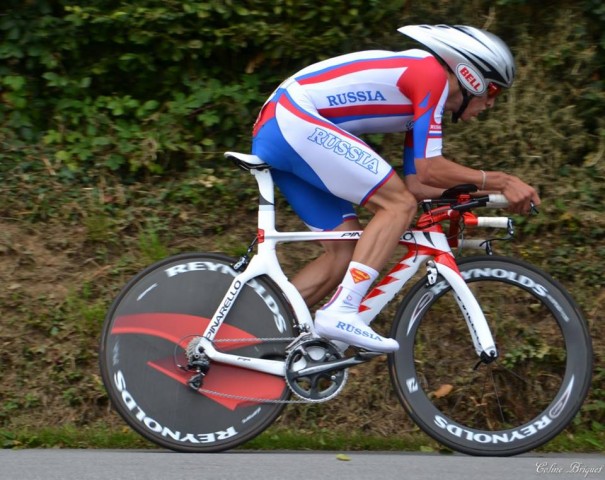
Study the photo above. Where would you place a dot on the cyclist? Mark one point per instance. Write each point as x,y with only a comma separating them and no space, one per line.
307,131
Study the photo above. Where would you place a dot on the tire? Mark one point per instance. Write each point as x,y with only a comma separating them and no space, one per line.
144,336
520,401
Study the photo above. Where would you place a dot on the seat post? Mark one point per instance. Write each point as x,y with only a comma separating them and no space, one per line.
266,201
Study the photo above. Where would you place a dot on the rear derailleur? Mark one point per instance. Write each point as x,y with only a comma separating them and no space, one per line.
198,362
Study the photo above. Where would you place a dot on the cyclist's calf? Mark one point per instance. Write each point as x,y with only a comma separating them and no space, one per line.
320,277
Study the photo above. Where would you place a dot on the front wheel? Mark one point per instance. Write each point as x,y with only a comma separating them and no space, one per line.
524,398
143,346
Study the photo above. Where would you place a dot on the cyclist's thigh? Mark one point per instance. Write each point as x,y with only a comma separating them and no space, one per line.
308,196
319,209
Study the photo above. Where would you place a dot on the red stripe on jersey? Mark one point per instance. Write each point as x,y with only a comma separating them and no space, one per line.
369,110
266,114
356,66
424,94
285,102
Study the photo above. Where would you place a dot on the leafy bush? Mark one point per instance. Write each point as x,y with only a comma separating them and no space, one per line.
150,85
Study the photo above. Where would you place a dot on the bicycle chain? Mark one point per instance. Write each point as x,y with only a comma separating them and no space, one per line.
253,399
276,339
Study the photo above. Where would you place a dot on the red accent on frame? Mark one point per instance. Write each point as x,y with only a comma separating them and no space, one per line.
447,260
470,219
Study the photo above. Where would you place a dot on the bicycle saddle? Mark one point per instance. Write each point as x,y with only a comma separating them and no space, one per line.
247,161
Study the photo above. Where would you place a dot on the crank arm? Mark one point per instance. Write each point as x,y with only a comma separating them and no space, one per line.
341,364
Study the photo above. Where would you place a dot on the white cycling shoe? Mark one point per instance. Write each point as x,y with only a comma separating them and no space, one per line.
351,329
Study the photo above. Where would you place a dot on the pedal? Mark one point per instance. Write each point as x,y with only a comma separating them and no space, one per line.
366,355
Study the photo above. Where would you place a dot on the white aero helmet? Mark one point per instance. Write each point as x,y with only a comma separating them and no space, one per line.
476,56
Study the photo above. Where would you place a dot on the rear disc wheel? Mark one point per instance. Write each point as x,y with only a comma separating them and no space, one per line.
142,354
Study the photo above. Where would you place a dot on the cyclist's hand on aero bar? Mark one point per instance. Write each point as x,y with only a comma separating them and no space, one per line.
521,196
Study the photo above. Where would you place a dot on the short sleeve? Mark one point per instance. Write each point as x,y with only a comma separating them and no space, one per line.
425,84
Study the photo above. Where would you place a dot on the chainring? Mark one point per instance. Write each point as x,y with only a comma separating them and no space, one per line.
314,387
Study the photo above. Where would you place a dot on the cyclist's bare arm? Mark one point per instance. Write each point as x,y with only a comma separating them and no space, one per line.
440,172
420,190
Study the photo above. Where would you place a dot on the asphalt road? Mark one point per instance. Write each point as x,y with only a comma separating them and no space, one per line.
53,464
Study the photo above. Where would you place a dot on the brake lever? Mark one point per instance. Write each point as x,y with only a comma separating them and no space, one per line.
532,208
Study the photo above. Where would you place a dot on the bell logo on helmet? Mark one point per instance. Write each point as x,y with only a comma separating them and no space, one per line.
470,79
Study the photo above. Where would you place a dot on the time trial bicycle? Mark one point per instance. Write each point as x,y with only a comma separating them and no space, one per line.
201,352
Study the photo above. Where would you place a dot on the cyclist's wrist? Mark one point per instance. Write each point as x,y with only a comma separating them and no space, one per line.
496,181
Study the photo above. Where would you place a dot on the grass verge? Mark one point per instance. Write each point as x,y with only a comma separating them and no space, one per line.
274,439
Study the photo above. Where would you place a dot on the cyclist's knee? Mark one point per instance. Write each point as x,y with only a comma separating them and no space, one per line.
407,204
395,200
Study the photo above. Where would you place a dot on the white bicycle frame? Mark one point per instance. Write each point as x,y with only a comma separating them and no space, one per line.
428,247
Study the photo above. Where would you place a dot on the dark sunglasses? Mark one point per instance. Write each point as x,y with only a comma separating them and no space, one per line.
493,90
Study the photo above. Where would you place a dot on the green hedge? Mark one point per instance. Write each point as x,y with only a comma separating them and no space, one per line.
153,85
